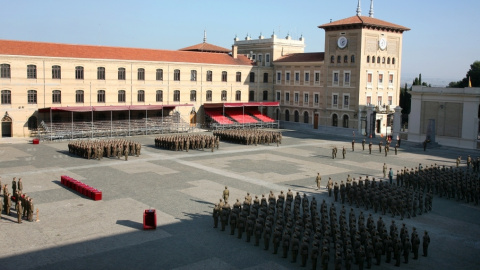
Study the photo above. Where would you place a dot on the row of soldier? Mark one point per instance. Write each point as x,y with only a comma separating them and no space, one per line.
316,234
380,196
473,164
98,149
249,136
185,142
23,203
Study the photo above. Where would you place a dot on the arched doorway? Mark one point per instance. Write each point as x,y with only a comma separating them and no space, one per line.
287,115
297,116
6,126
334,120
305,118
345,121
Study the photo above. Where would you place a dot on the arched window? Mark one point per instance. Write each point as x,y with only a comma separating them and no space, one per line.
4,70
393,61
176,95
383,60
31,71
345,121
378,60
79,72
193,96
305,118
368,58
209,95
6,97
345,59
238,95
141,74
352,59
334,120
339,59
332,59
297,116
388,60
79,96
56,72
101,96
141,96
159,96
176,75
121,96
121,73
32,96
287,115
373,59
100,73
224,95
224,76
56,96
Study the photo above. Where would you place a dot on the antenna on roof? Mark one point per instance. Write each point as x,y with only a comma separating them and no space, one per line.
370,13
204,36
359,10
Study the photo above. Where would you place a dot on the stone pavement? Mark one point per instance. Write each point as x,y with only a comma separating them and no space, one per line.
75,232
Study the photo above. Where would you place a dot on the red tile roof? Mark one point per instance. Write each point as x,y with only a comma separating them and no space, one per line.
302,57
43,49
363,20
206,47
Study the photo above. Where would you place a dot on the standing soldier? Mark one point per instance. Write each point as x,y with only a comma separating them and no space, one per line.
370,148
330,186
335,191
318,180
119,151
14,186
226,194
333,153
380,146
216,213
425,145
344,152
458,161
30,210
384,170
390,176
353,145
126,153
19,209
304,252
469,162
363,144
426,242
19,185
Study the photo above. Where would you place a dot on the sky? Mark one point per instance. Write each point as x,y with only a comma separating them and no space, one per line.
442,44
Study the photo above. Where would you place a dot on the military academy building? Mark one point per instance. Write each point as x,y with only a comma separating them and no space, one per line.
355,83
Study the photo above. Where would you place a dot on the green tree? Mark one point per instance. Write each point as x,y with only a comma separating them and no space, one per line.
473,74
405,103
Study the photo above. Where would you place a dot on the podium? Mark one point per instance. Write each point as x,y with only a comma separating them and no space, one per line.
150,219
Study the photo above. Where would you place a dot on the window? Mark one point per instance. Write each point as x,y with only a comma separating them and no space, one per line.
267,59
297,77
209,95
390,100
176,95
224,76
369,100
305,117
121,96
305,99
368,58
31,72
379,101
393,61
56,72
378,59
278,96
176,75
252,76
307,78
193,75
121,74
334,120
369,79
56,96
380,80
5,71
332,59
238,95
287,115
345,121
141,74
295,98
193,95
101,96
141,96
287,77
346,79
79,96
253,57
32,96
159,74
383,60
265,77
339,59
335,100
251,95
345,59
287,97
346,101
159,96
279,78
317,77
388,61
265,95
238,76
373,59
6,97
260,58
224,95
335,77
209,76
79,73
100,73
352,59
390,80
316,99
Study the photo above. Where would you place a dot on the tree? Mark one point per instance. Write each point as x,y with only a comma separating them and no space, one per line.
405,103
473,74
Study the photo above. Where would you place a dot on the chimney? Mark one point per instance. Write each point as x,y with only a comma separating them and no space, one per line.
234,51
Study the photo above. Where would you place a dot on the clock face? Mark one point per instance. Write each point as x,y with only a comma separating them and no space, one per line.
342,42
382,43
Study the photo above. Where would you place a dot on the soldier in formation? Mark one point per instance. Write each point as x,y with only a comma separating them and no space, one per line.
249,136
98,149
23,203
185,142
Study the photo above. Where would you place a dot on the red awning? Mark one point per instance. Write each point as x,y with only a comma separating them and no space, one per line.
109,108
241,104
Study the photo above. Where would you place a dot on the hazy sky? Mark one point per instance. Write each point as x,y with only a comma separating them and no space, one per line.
444,38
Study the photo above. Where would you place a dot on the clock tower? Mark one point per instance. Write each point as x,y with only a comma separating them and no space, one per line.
362,70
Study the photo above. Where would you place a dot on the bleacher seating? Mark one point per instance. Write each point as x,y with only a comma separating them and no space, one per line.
260,116
241,118
218,117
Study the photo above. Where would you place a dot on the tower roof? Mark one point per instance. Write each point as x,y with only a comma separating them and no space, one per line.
362,21
206,47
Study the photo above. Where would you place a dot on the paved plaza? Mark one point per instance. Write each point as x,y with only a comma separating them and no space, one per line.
75,232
